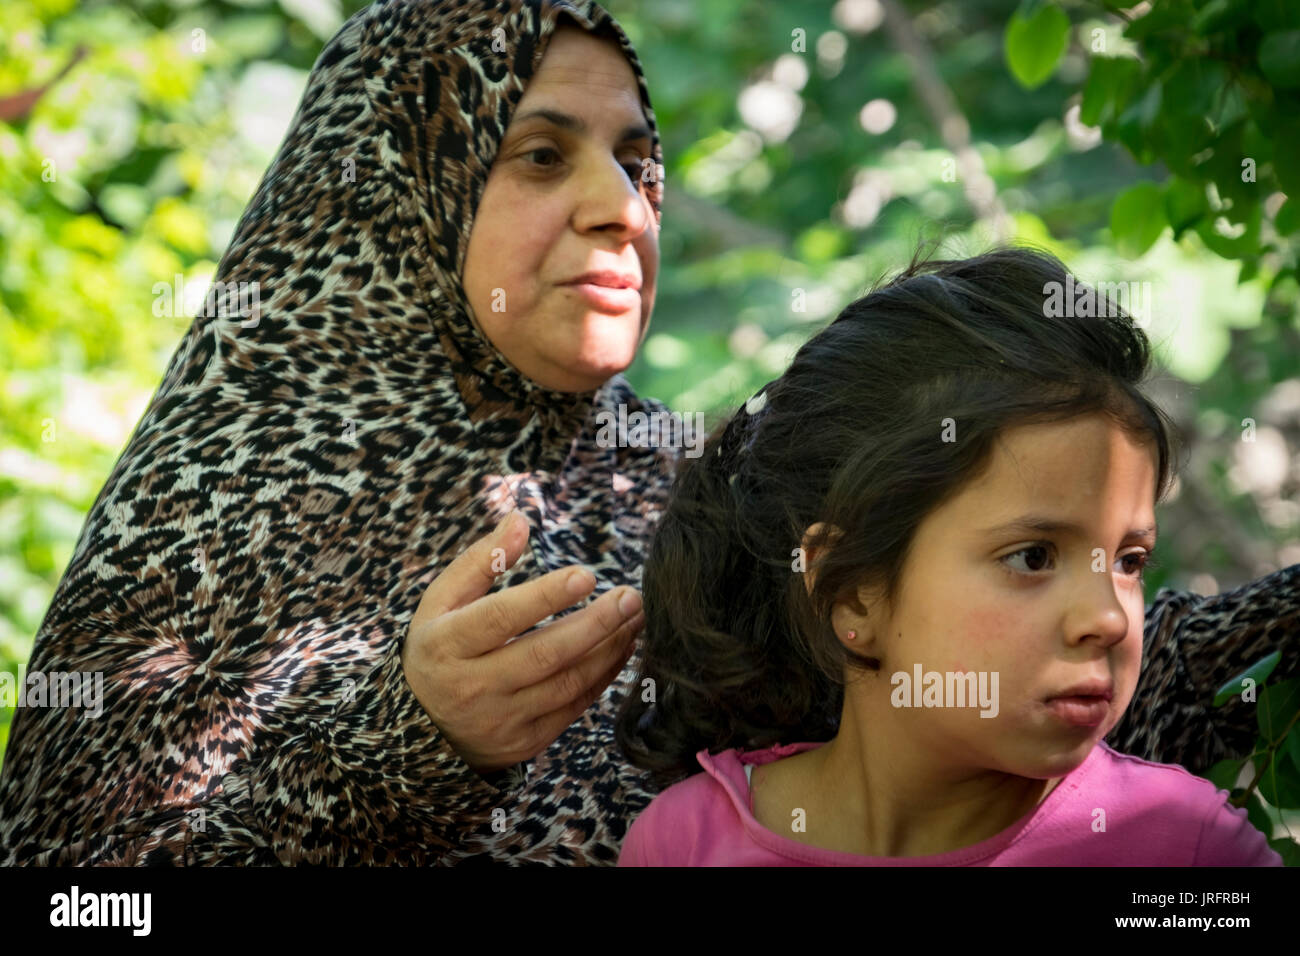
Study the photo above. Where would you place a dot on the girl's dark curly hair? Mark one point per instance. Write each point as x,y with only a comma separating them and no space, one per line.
740,653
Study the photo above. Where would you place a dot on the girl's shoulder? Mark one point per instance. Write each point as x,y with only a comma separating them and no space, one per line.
722,779
1146,781
700,820
1220,834
1126,768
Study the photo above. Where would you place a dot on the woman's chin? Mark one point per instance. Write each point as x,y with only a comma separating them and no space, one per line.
585,373
592,375
581,353
601,360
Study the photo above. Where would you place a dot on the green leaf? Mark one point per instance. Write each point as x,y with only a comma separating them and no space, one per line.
1289,273
1137,122
1137,218
1224,773
1210,17
1035,44
1232,246
1292,745
1258,672
1278,703
1276,14
1198,82
1280,783
1230,106
1279,58
1259,817
1180,137
1185,203
1111,81
1162,17
1288,849
1249,269
1286,146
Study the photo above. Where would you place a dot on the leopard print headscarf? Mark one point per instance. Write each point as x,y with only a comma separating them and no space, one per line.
244,581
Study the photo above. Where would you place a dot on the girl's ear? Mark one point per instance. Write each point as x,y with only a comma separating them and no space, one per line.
811,551
857,632
858,601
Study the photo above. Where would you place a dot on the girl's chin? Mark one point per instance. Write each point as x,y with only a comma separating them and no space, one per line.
1062,761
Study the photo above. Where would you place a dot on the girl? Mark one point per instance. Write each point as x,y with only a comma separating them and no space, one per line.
922,545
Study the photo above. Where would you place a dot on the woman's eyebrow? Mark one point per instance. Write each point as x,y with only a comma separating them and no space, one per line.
576,124
1035,523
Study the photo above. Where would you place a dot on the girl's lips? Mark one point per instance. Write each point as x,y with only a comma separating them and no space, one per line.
1080,711
606,298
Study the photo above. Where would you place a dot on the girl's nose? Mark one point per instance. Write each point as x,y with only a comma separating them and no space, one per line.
1101,616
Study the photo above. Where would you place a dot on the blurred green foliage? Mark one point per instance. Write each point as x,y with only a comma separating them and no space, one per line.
1273,765
810,146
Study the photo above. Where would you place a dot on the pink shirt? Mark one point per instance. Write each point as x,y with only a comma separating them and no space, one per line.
1155,815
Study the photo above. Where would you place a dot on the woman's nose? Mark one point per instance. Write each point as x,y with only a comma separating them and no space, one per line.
609,200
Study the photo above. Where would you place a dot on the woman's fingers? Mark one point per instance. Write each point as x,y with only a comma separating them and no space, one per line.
473,571
488,623
592,671
561,644
489,694
549,726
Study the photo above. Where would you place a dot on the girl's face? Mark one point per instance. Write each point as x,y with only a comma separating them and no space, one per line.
1032,573
565,198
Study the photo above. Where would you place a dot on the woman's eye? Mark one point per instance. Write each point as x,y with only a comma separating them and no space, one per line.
542,151
643,172
1037,556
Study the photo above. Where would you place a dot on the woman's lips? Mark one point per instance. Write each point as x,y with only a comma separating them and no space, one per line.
607,298
1080,711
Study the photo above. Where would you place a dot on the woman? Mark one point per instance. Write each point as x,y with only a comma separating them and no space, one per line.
302,660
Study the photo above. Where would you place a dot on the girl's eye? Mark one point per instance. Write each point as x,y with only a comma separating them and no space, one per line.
1038,555
1146,561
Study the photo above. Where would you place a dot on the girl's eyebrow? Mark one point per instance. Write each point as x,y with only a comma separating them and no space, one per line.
1037,523
575,124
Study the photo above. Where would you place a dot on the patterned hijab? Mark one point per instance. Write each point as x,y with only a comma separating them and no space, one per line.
246,576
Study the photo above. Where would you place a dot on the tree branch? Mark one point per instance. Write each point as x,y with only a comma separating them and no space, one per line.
947,117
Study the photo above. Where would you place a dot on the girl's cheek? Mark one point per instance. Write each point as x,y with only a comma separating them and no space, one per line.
988,635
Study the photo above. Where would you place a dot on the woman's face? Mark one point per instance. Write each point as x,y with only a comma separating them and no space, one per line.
565,198
1047,609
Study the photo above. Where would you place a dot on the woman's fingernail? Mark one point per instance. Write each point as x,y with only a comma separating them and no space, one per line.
629,603
579,582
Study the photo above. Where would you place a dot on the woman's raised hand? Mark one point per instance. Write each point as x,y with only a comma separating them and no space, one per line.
499,703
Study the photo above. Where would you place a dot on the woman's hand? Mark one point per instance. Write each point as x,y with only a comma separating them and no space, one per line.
498,701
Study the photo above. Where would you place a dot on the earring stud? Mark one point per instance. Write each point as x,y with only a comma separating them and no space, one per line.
851,635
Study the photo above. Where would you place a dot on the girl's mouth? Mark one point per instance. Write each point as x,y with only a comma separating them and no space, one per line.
1080,711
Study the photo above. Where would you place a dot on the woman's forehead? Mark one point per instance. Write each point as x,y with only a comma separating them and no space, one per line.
575,56
579,100
588,84
544,110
